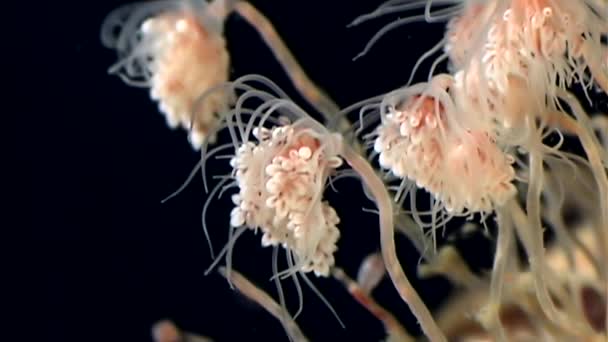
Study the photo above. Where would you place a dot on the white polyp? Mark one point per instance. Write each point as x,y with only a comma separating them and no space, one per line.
280,178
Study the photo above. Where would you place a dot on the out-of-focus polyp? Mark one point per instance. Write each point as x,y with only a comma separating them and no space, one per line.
176,49
512,57
188,60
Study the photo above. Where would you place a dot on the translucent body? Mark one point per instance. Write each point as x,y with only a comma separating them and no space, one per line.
176,49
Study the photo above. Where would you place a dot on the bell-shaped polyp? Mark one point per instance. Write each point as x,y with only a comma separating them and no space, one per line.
548,44
177,50
424,138
281,179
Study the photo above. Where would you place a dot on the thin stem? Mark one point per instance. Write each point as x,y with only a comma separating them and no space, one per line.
387,238
581,127
499,269
311,92
530,233
264,300
593,150
393,328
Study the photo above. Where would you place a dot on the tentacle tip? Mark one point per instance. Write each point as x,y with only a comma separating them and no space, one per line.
361,54
353,23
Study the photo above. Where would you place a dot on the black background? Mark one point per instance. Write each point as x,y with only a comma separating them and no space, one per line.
105,258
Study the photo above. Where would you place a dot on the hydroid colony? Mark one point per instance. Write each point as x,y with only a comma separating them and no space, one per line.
475,139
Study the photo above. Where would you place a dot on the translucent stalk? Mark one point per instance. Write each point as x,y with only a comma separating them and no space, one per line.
531,234
264,300
311,92
387,239
491,318
393,328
